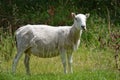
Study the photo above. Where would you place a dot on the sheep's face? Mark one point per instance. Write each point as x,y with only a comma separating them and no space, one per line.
80,20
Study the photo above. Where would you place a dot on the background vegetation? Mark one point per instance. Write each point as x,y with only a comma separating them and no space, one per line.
95,58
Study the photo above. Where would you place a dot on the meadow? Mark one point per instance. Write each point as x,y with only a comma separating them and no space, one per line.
95,58
88,64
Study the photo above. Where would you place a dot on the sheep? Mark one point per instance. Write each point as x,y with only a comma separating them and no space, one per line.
46,41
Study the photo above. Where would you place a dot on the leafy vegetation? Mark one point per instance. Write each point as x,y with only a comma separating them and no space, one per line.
94,59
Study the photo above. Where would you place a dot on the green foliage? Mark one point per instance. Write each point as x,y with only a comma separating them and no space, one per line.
36,11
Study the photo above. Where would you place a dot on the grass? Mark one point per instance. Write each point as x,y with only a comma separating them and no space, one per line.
82,75
89,64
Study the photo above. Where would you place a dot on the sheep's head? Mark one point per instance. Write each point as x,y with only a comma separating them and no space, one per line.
80,20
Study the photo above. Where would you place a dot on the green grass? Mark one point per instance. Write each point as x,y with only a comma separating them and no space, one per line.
81,75
89,64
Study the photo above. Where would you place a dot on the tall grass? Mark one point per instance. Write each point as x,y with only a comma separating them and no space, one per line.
7,45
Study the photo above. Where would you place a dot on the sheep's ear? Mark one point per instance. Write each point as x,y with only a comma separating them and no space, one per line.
87,15
73,15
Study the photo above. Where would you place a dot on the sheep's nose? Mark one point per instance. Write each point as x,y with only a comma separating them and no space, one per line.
83,27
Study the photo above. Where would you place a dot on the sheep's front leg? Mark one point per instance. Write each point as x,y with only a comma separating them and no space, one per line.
26,62
63,58
69,56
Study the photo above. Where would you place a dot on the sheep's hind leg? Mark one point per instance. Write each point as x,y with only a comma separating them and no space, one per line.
15,61
26,62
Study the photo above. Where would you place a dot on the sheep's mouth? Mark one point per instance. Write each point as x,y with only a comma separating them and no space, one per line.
83,27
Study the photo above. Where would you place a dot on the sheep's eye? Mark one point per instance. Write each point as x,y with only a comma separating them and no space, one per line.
76,19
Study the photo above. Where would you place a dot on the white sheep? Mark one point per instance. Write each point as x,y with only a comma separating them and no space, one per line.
47,41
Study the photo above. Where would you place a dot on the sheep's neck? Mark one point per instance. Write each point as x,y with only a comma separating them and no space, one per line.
74,34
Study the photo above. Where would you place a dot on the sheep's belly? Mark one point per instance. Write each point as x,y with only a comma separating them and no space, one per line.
45,53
